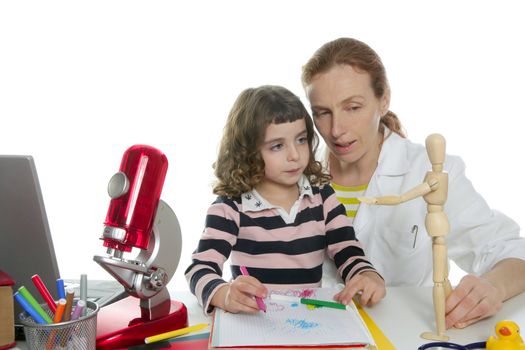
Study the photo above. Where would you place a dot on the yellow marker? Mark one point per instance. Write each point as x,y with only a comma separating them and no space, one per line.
175,333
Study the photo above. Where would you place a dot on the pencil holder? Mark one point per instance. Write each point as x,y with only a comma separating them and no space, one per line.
79,334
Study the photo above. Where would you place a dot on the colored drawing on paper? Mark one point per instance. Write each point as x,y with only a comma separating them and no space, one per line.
287,323
307,293
299,293
302,324
273,306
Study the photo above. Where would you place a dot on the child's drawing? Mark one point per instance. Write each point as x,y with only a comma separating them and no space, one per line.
303,324
287,323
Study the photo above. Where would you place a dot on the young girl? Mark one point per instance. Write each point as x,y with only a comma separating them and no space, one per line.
274,215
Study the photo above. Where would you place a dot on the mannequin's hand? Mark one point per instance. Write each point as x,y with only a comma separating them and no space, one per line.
368,284
473,299
239,295
367,200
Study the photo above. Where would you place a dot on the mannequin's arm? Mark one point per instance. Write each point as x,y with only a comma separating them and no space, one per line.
417,191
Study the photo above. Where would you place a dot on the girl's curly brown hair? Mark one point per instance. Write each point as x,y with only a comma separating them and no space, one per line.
239,166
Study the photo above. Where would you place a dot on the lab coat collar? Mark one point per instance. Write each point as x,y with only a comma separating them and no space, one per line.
393,159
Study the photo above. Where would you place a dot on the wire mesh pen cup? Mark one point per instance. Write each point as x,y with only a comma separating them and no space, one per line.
71,335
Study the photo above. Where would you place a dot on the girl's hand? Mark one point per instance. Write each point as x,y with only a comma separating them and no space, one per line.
239,295
368,285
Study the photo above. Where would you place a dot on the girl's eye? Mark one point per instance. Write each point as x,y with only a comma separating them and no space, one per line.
276,147
302,140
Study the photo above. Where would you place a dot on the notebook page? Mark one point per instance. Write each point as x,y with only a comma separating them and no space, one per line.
287,323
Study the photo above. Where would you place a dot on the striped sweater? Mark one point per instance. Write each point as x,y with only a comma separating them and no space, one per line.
279,254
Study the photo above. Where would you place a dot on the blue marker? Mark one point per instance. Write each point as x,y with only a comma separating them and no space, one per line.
60,289
29,309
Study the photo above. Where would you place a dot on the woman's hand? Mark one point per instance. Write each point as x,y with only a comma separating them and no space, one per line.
369,285
239,295
476,298
473,299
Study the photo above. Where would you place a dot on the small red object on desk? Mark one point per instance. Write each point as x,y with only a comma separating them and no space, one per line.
7,321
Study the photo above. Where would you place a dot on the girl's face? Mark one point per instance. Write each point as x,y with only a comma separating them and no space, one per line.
347,113
285,152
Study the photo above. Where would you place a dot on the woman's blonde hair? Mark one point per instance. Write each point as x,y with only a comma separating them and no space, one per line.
361,57
239,166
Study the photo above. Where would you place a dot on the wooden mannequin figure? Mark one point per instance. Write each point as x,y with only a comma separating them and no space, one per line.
434,191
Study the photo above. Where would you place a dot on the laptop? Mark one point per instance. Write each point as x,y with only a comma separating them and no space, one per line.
26,246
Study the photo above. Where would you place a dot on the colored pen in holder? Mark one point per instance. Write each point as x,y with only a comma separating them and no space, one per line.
77,333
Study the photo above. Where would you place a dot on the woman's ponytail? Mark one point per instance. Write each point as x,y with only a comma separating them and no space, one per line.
391,121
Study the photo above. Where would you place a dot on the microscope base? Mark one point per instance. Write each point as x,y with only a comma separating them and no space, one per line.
113,324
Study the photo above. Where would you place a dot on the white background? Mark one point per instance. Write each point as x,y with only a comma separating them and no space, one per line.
80,82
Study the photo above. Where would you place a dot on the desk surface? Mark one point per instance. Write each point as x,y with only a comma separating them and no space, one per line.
405,313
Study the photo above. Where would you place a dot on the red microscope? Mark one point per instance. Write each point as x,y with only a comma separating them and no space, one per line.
138,220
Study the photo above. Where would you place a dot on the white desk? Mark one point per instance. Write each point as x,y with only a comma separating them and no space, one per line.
405,313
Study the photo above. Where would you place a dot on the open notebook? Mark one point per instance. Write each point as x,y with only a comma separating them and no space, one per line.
291,324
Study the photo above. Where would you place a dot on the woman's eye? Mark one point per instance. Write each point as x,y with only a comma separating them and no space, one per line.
353,108
321,114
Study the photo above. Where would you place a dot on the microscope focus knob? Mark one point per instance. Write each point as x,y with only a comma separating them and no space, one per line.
118,185
157,279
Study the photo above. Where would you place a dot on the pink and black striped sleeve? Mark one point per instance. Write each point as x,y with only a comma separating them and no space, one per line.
204,275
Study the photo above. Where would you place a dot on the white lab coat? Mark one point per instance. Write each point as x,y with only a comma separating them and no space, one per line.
479,237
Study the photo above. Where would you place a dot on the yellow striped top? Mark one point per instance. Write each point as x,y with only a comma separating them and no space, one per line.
348,196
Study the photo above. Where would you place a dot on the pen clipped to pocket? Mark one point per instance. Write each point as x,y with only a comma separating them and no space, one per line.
414,231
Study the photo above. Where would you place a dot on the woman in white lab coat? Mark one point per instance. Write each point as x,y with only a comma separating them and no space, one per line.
367,154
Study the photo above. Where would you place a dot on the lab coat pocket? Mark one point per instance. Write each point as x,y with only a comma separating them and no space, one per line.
404,241
409,254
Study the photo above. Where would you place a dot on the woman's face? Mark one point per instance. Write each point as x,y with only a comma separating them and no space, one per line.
347,113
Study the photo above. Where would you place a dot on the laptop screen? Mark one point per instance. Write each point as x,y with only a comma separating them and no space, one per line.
26,247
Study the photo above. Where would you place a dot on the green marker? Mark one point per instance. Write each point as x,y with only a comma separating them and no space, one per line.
25,293
307,301
325,303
